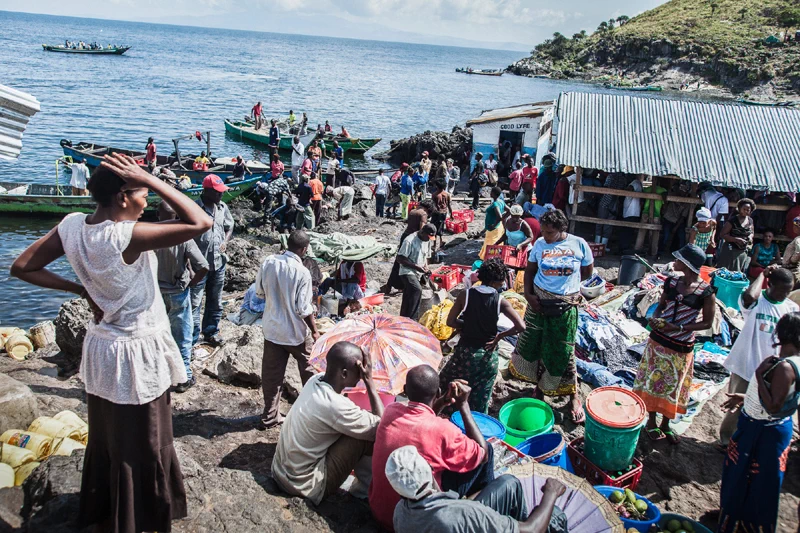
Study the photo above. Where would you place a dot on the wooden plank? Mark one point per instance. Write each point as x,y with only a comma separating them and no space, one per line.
644,195
620,223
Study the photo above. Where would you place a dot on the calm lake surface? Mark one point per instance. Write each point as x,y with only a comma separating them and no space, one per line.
178,80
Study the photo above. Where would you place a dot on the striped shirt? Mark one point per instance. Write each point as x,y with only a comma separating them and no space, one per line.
683,309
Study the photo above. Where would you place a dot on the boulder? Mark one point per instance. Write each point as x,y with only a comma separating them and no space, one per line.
456,145
18,406
11,500
244,260
238,361
52,494
71,323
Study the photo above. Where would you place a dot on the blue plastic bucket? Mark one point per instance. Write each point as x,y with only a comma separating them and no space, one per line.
548,449
729,291
653,515
488,426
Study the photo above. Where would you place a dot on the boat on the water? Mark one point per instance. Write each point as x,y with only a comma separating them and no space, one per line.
182,165
113,51
640,88
790,103
40,199
246,130
480,72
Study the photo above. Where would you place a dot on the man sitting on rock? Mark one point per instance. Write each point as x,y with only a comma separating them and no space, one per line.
325,435
498,507
462,463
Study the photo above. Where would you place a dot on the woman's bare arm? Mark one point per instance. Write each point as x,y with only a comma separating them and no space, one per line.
31,265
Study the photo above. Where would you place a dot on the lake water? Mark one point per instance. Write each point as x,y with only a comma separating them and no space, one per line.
178,80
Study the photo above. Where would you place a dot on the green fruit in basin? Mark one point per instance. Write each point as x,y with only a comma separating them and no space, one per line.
617,496
685,524
641,506
630,496
673,525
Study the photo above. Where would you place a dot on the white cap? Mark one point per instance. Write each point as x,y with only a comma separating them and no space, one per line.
409,474
703,214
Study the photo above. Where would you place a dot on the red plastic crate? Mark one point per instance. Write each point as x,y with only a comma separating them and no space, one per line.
412,205
593,474
598,249
455,226
467,215
447,277
508,254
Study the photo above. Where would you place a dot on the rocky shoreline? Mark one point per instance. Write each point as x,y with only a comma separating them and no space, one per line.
226,461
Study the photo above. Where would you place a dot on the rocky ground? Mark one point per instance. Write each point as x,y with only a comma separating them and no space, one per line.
226,462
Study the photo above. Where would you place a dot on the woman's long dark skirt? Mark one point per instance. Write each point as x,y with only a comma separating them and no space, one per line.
132,481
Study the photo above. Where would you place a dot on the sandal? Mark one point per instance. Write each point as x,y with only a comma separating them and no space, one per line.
578,417
655,434
671,436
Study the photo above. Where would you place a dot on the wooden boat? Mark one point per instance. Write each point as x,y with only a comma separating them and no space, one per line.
39,199
92,154
768,104
480,72
246,130
118,51
640,88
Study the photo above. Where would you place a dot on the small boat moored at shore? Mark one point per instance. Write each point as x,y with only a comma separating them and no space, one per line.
113,51
480,72
790,103
246,130
92,154
44,200
639,88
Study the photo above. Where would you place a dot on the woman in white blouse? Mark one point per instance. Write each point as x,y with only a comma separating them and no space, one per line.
131,477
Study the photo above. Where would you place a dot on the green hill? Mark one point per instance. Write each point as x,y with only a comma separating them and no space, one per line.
720,44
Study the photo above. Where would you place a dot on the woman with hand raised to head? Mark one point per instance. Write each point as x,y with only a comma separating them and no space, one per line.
131,477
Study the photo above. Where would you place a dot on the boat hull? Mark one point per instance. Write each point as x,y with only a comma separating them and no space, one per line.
53,204
92,155
245,131
106,52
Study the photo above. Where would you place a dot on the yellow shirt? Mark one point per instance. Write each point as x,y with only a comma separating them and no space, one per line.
202,160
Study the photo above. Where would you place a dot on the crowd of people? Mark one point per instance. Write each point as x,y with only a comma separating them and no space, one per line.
418,471
80,45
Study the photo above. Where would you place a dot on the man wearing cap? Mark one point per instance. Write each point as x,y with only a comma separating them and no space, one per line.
212,245
413,259
546,180
425,164
500,506
715,201
298,155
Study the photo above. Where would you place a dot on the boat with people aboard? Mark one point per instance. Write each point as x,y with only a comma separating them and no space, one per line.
91,49
480,72
639,88
246,130
44,200
92,154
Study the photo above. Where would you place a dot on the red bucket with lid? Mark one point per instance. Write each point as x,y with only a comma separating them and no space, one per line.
614,417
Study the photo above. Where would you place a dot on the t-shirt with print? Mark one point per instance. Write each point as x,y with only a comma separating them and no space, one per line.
754,343
559,264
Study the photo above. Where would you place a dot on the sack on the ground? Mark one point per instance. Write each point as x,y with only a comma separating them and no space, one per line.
435,319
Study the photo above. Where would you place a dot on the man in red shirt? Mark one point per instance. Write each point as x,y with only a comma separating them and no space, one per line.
462,463
258,115
150,155
529,172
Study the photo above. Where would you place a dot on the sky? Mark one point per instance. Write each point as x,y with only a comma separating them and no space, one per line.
503,24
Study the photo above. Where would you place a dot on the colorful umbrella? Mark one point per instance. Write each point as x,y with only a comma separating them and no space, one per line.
586,509
396,345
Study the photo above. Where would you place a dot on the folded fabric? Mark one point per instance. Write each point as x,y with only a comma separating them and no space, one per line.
596,374
726,274
335,247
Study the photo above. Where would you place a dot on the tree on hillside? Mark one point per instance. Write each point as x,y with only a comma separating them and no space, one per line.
714,6
623,19
789,17
603,27
579,36
742,12
611,24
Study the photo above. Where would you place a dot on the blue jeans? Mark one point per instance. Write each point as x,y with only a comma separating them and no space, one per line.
179,311
680,234
380,203
211,286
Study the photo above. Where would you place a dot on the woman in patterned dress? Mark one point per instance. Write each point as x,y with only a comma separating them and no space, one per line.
665,373
475,314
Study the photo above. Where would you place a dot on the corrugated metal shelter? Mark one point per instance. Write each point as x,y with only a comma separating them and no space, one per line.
749,147
16,109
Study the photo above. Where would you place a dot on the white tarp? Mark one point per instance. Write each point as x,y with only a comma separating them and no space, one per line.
16,109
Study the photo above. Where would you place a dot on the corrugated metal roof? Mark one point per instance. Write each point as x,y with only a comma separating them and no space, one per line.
16,109
731,145
506,113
